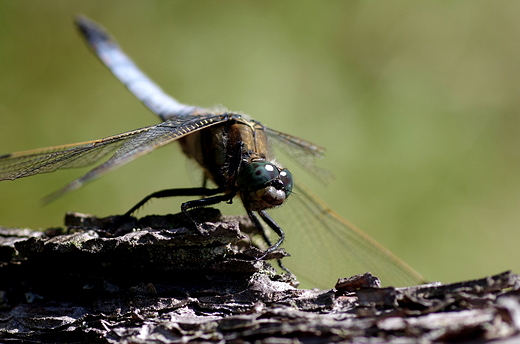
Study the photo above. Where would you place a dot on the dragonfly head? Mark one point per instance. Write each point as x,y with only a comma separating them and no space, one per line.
264,185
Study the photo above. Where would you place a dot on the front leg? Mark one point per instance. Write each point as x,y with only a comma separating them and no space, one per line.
261,229
274,226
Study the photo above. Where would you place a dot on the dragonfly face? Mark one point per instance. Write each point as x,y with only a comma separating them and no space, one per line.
234,152
264,185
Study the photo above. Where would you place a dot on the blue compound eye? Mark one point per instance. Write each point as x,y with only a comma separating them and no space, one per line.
257,174
287,180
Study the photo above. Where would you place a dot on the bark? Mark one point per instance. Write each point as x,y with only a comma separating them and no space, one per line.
157,280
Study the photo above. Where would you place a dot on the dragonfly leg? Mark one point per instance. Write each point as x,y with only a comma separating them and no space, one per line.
201,191
261,229
274,226
172,193
203,203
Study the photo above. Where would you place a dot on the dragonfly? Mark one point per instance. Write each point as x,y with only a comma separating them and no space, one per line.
234,152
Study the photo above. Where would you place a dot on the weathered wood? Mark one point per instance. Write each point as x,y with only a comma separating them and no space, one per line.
166,283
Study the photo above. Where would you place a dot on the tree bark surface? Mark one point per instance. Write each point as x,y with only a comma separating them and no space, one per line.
157,280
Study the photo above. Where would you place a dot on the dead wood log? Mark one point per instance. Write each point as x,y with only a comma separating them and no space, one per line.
155,280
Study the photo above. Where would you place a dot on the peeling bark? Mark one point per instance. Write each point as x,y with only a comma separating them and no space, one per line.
157,280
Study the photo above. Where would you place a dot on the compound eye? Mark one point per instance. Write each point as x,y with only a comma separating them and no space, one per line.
287,180
255,175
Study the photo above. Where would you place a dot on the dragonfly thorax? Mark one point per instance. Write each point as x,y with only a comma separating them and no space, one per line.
221,149
263,185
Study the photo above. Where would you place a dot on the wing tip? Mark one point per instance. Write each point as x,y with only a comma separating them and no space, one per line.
74,185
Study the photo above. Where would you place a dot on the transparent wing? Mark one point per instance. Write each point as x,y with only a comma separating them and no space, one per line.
124,69
144,143
129,145
301,151
49,159
325,247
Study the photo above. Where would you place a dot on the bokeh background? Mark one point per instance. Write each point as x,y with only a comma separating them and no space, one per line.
418,104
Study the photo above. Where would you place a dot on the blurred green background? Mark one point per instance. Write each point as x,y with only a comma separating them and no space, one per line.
418,104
